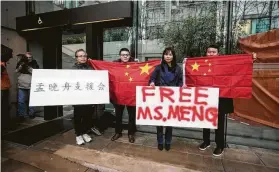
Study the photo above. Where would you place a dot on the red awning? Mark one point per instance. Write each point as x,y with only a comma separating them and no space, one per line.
265,45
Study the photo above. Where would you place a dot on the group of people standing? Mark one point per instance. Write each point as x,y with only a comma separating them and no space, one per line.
168,73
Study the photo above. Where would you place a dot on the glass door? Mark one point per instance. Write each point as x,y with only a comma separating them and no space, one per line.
71,42
113,40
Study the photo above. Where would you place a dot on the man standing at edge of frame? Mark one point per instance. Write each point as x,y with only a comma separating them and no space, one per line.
225,107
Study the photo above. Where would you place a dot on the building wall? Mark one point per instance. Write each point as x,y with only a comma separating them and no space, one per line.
12,40
9,11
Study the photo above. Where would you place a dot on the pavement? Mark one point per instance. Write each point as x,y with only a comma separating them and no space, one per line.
60,153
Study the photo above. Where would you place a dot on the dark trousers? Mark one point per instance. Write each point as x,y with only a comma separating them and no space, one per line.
97,114
82,118
5,110
160,134
132,118
219,132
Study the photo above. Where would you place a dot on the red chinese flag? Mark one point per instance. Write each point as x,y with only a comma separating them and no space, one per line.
124,77
232,74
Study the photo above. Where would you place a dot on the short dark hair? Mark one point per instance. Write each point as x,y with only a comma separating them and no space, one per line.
6,53
124,49
213,46
79,50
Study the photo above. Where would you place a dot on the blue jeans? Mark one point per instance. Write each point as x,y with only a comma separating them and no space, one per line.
160,134
23,102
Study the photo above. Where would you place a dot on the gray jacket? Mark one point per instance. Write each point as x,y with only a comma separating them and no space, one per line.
24,81
24,72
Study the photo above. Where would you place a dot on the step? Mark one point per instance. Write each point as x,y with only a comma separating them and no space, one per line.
40,160
109,162
260,137
11,165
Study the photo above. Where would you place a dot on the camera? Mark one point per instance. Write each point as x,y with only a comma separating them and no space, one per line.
23,59
23,62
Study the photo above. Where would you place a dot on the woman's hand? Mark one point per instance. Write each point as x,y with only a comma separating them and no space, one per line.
184,86
152,84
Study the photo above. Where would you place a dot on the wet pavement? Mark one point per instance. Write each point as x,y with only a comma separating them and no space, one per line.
60,153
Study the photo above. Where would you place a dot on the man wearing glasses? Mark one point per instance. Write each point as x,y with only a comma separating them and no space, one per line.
125,57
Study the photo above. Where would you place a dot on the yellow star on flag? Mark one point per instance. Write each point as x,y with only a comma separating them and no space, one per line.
130,79
126,73
127,66
145,69
195,66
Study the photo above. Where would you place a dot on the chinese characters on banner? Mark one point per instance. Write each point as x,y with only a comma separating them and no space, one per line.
179,107
68,87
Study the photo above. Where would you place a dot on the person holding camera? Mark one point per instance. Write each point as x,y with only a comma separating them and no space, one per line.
24,69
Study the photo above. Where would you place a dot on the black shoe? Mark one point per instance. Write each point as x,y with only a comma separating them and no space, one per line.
218,151
131,138
160,147
31,116
204,146
116,136
20,118
167,147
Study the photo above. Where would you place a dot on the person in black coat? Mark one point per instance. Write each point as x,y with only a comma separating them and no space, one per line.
82,113
166,74
225,107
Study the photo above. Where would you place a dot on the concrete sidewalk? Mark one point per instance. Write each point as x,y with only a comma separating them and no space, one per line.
104,155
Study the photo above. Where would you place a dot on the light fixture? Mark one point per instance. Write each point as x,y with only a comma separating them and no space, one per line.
99,21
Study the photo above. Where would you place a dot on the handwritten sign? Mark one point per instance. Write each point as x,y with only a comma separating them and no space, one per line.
180,107
68,87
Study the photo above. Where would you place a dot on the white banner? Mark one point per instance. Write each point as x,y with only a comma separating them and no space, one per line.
68,87
195,107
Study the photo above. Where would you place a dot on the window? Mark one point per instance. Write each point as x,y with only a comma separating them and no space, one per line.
260,25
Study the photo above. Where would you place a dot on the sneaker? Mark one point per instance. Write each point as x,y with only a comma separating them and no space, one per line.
86,138
218,152
204,146
96,131
79,140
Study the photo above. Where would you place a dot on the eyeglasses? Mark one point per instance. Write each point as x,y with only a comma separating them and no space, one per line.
82,56
125,55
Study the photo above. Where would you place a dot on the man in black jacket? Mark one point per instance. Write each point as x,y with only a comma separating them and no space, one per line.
225,107
125,57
